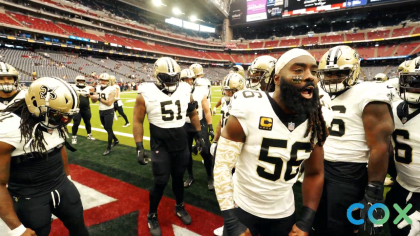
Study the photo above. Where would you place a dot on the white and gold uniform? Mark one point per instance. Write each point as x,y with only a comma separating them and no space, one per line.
104,94
5,102
271,156
198,94
406,143
166,111
347,142
225,111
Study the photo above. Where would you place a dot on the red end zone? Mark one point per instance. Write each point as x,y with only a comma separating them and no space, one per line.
130,199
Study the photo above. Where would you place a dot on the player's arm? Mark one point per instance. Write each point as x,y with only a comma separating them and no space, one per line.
138,130
217,105
378,125
312,187
228,151
65,161
392,169
117,92
207,114
110,100
93,97
7,212
192,113
138,118
218,131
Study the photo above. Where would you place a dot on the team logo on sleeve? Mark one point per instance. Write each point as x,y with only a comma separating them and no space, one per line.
266,123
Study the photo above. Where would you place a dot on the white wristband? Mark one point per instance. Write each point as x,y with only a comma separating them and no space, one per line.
69,177
18,231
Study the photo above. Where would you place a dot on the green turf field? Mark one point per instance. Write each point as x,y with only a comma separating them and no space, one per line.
121,164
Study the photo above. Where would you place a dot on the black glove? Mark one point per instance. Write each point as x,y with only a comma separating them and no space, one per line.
199,141
374,194
306,220
232,225
142,157
211,132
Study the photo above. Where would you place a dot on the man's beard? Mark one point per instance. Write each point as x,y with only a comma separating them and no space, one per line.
293,100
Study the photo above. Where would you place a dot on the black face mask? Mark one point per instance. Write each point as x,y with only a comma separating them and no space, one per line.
292,98
79,86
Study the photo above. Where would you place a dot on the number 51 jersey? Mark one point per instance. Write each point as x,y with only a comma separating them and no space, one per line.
166,111
406,143
272,154
347,141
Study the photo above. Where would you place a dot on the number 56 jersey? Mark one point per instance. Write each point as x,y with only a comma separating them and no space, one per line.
406,143
271,156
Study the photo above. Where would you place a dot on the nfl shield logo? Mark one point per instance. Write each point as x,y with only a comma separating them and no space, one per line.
404,119
291,126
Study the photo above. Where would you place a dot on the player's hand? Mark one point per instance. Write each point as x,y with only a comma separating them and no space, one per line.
246,233
142,157
415,225
214,111
374,194
29,232
211,132
199,141
297,232
213,148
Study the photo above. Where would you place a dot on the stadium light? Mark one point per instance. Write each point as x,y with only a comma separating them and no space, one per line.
158,3
193,18
176,11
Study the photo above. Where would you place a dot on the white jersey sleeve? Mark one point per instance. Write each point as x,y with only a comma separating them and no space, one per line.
198,95
10,134
327,111
166,111
346,141
271,156
406,143
117,92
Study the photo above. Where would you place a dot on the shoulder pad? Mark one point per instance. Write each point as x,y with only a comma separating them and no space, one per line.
9,122
242,100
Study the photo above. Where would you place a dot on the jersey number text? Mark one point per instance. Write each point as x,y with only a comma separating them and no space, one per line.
168,115
408,151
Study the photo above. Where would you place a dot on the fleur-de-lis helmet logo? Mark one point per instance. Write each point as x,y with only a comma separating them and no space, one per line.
45,90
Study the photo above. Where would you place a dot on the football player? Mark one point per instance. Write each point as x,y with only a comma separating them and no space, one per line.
118,105
84,94
166,104
236,69
381,77
359,136
106,97
33,161
406,143
259,72
9,85
267,139
202,87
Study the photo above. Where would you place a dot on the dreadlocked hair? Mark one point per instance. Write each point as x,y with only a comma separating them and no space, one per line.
28,122
317,127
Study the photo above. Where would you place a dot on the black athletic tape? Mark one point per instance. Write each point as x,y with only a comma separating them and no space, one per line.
307,218
192,106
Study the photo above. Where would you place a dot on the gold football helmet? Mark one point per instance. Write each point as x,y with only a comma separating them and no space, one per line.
112,79
403,66
106,78
232,83
53,101
381,77
167,72
80,81
409,85
260,71
339,69
239,69
197,69
187,74
7,70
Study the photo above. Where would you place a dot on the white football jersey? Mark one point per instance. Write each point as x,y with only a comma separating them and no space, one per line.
393,85
347,142
117,94
406,143
104,94
325,100
198,95
166,111
84,92
20,95
271,157
10,133
205,84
